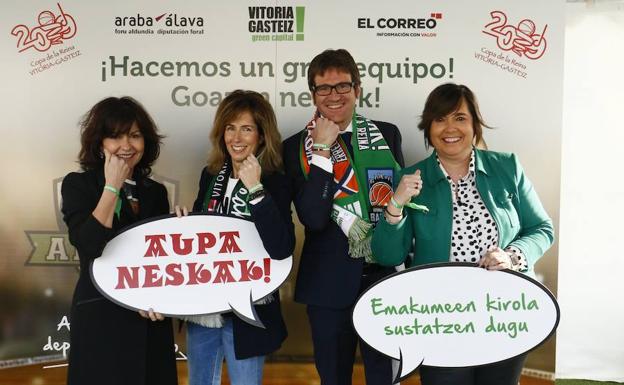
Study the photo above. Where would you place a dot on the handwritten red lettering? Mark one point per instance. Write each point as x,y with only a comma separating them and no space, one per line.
152,278
127,279
229,242
197,274
191,273
205,241
178,248
224,274
249,270
174,275
155,247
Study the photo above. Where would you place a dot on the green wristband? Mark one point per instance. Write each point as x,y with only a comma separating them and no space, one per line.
395,203
320,146
255,188
111,189
416,207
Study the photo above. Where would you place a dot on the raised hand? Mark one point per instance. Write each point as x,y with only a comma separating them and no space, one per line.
116,171
409,187
249,172
325,131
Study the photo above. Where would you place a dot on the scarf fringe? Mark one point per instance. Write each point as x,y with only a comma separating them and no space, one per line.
216,320
360,240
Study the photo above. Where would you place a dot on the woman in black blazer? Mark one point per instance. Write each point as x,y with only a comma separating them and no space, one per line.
111,345
243,178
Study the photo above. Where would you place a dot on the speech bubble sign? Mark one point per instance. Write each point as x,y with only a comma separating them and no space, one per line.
197,264
454,315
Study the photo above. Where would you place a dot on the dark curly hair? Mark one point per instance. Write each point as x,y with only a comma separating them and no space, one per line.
113,117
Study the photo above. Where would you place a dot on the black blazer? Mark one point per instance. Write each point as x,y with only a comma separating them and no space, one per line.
327,276
273,221
111,344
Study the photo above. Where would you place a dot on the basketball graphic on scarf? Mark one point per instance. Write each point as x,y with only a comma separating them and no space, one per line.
380,194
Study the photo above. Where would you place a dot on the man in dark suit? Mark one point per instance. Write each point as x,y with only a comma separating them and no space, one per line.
342,168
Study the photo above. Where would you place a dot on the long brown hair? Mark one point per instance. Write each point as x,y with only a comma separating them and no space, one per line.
270,147
110,118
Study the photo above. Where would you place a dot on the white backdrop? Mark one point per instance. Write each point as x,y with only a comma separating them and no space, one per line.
590,340
41,107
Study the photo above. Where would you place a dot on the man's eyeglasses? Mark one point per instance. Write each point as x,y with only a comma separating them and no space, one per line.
326,89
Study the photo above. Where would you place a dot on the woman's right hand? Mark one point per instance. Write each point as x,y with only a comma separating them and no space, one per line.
116,171
409,186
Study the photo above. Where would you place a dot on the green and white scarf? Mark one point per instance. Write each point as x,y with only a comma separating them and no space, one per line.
354,177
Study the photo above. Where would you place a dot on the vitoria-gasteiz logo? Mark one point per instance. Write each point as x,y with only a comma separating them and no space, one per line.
267,23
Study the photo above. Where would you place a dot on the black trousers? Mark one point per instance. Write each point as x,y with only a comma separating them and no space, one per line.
335,339
501,373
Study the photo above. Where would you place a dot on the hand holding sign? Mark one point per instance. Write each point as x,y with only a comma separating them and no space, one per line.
495,259
197,264
454,315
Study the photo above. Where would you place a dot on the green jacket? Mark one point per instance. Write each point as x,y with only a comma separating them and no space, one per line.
507,193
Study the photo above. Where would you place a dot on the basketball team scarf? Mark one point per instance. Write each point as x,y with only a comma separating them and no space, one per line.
354,199
238,205
214,200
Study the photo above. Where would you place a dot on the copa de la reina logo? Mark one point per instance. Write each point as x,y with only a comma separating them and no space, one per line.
47,35
53,27
512,46
164,24
270,23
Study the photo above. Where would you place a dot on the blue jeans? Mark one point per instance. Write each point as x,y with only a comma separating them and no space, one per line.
206,349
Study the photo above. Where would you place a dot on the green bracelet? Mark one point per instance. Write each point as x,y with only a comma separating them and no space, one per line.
411,205
416,207
395,203
111,189
320,146
255,188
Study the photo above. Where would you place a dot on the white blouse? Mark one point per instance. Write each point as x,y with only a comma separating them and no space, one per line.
474,230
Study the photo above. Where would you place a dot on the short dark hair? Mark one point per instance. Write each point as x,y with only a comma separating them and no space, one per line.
339,59
110,118
445,99
238,102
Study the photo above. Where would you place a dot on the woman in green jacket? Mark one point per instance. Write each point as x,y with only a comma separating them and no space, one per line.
481,208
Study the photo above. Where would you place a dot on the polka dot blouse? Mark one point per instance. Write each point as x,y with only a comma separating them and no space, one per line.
474,230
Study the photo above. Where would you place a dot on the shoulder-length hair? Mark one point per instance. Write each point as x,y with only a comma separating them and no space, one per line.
270,147
113,117
446,99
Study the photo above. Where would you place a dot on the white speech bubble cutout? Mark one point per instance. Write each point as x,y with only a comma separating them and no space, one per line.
225,276
469,327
